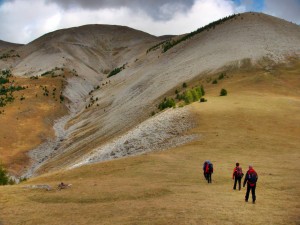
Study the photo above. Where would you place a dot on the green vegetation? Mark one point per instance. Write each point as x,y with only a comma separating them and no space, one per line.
7,88
215,81
3,80
188,96
10,54
223,92
191,95
54,72
171,43
221,76
3,176
167,103
155,47
62,98
116,70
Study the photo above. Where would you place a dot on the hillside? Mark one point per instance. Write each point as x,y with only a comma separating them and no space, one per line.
257,123
104,113
131,96
7,45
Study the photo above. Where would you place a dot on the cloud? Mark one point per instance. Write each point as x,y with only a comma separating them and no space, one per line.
25,20
21,23
288,9
157,9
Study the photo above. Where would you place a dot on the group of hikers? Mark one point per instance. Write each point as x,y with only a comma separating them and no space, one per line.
250,178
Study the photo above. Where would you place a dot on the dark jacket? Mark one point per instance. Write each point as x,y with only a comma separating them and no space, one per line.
251,177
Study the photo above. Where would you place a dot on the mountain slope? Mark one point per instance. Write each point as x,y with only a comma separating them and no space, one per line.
102,108
131,96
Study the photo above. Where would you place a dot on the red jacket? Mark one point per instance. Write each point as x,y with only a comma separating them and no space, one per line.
251,177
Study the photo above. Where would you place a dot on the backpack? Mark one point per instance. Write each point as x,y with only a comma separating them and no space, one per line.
252,177
238,172
209,168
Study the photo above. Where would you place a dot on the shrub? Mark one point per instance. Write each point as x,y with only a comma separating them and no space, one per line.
4,179
167,103
116,70
202,90
188,97
203,100
221,76
184,85
215,81
223,92
3,80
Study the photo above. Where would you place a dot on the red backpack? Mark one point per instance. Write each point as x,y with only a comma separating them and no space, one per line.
239,172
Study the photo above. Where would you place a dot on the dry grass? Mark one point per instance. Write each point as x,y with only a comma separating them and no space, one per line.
26,124
257,123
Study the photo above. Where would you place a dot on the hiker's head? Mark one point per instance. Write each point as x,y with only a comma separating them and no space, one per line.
237,164
250,167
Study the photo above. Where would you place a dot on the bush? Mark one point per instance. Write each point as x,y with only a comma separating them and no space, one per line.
167,103
215,81
3,80
116,70
202,90
223,92
221,76
184,85
3,176
203,100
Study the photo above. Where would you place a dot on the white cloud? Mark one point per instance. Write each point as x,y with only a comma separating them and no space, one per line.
23,21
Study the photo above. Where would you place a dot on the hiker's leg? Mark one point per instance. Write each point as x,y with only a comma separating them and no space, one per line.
235,180
247,193
239,180
253,193
209,177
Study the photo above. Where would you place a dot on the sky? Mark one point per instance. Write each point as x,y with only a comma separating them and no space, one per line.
22,21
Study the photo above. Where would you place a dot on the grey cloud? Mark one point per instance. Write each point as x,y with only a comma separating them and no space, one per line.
157,9
288,9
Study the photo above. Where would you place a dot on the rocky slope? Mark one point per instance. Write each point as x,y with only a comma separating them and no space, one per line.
128,98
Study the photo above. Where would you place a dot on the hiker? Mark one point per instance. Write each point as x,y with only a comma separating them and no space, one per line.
251,179
237,175
208,170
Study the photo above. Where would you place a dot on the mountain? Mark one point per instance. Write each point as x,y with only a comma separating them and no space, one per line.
147,75
7,45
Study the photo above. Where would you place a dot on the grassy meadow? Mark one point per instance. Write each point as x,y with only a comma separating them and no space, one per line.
257,123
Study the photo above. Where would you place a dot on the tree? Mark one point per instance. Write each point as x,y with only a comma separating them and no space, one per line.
188,97
202,90
3,176
223,92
